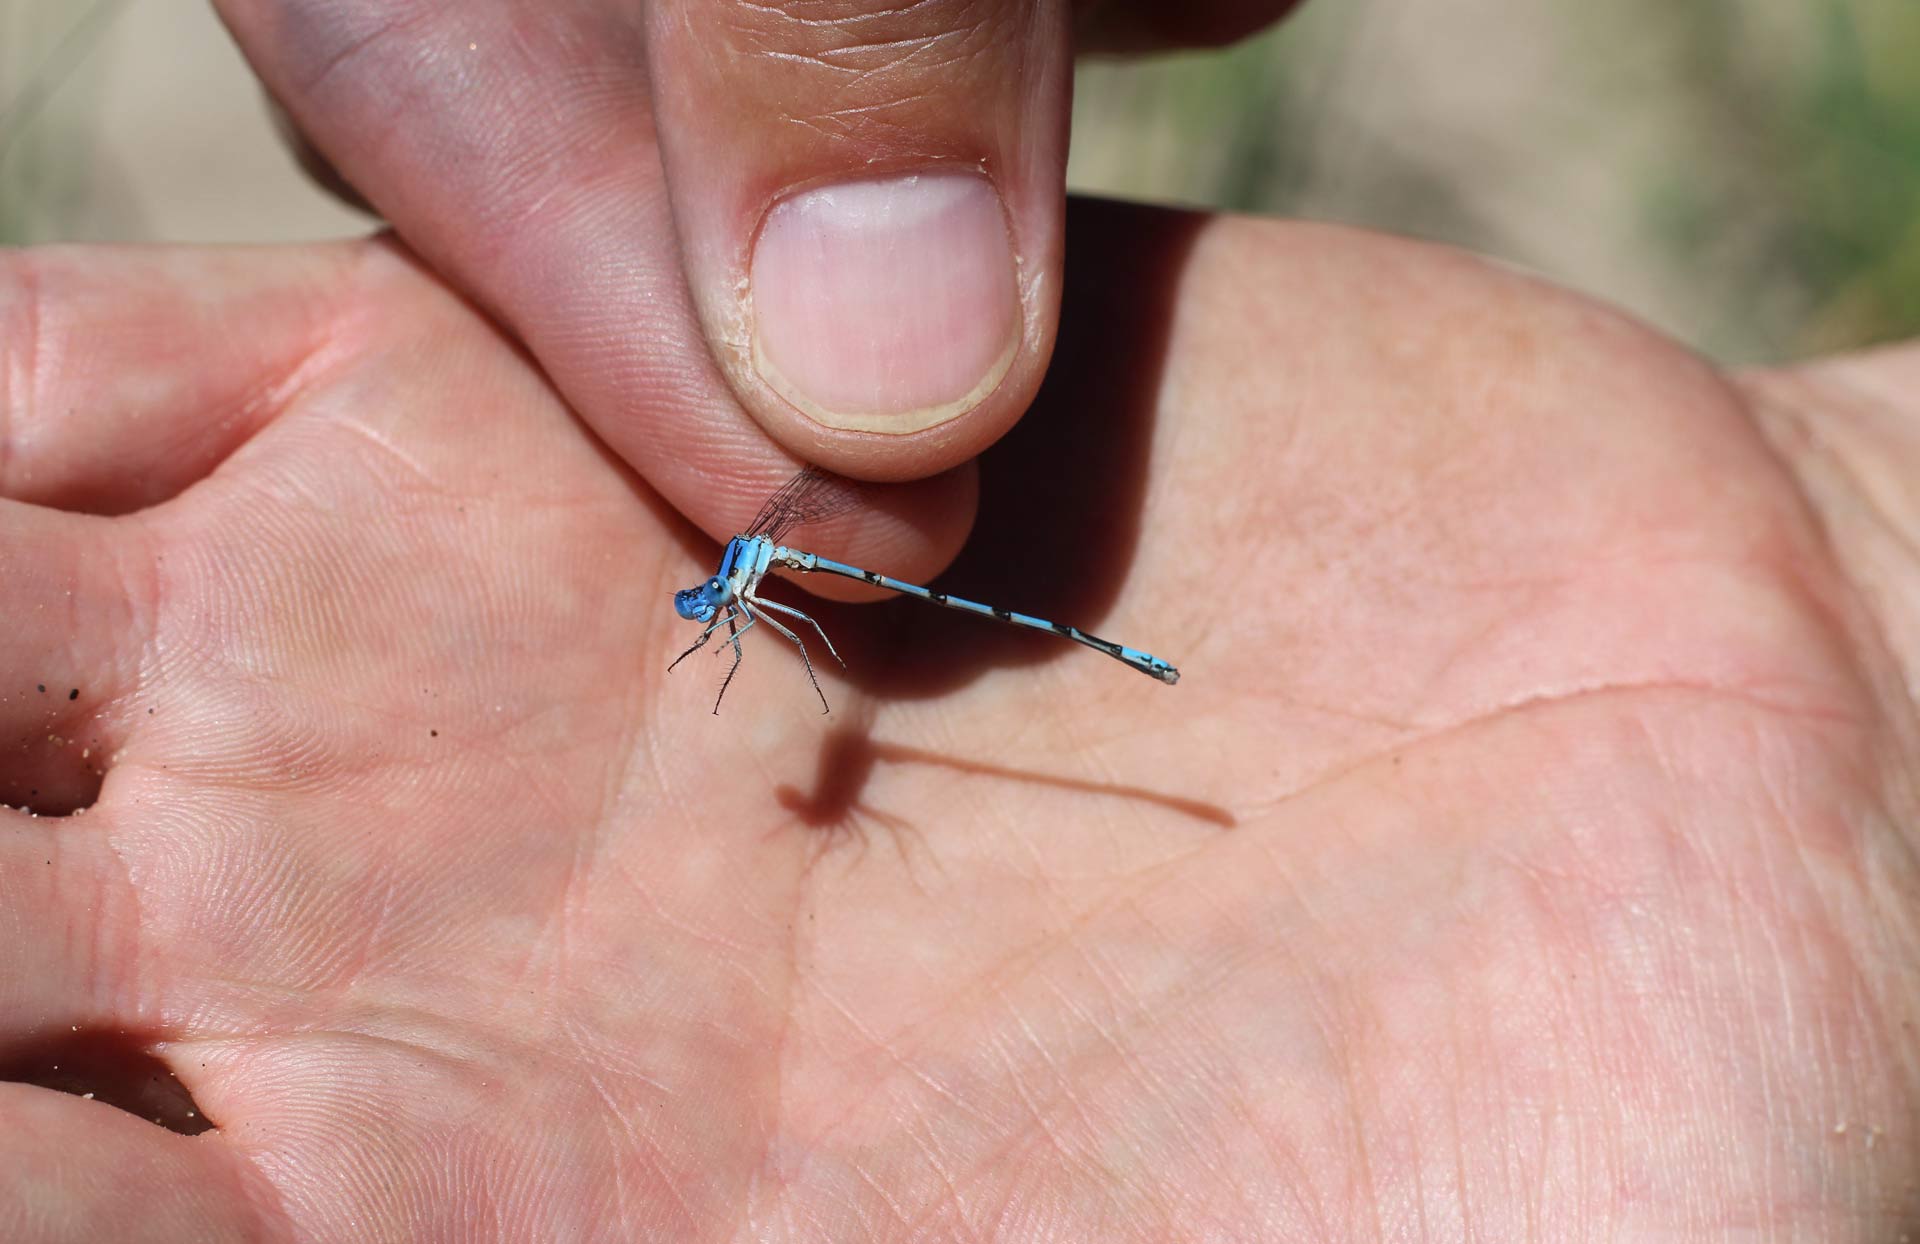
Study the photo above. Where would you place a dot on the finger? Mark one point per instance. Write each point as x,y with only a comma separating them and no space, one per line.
126,375
47,879
73,1170
869,199
514,147
81,598
69,925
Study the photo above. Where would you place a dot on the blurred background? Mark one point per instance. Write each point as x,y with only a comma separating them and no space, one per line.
1743,173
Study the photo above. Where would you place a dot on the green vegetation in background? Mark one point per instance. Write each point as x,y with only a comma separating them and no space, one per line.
1793,184
44,108
1202,128
1765,202
1857,193
1760,159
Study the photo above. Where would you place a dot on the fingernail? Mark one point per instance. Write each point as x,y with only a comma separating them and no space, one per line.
887,305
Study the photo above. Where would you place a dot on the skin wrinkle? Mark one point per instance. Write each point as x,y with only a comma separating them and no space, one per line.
1403,747
1588,1024
1838,388
919,1129
814,126
1362,1193
555,938
1037,1113
289,778
992,979
308,364
887,53
885,56
1457,1134
358,950
894,1209
1038,1108
1793,441
929,1150
622,1137
1401,728
1712,1015
870,125
775,1130
1115,988
421,478
1793,445
1239,1095
1020,1143
390,21
793,12
1236,1091
1539,1189
874,113
115,934
810,60
1225,1170
1773,1108
136,575
1810,461
918,1132
833,1123
1569,1010
526,173
902,51
839,1007
1869,1012
913,58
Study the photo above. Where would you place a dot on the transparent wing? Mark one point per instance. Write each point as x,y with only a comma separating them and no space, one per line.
812,496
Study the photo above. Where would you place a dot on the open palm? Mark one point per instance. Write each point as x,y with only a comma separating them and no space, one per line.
1524,852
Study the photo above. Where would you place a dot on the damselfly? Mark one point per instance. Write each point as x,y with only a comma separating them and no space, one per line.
731,597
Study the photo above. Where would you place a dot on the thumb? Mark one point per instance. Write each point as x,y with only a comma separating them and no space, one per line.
868,199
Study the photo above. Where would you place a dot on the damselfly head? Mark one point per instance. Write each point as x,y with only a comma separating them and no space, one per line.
699,604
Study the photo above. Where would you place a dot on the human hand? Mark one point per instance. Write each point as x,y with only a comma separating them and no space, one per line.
597,173
1526,851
